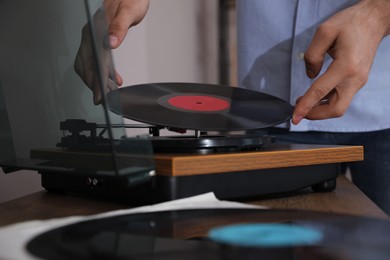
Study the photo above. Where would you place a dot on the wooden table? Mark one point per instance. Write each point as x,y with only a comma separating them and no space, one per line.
346,199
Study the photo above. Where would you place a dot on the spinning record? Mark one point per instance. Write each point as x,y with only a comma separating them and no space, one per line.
218,234
199,106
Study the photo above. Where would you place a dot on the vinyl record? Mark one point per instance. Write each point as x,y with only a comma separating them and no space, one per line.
194,106
218,234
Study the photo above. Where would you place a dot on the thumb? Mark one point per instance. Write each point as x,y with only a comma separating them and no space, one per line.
125,17
117,31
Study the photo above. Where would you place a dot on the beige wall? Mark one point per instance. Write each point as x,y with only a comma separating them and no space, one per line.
176,42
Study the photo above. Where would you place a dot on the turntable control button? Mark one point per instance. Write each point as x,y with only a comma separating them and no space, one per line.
93,182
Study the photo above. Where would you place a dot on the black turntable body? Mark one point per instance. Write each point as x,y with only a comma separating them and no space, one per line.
245,182
230,185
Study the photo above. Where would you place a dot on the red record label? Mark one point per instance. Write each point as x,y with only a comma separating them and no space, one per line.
199,103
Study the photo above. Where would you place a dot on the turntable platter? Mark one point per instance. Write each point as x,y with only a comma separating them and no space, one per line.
195,106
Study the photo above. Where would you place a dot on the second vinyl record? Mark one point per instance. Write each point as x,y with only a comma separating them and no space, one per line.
193,234
195,106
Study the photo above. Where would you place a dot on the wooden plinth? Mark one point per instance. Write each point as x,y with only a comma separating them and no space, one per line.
269,157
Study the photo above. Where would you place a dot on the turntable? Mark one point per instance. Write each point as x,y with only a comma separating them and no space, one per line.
233,165
100,153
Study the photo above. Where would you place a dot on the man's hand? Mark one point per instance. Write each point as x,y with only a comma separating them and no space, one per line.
351,37
86,67
120,15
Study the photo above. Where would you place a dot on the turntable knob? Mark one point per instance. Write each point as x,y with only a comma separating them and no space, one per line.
93,182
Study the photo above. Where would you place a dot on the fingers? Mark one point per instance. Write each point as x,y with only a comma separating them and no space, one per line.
322,41
314,57
114,80
97,94
334,87
118,78
333,105
118,28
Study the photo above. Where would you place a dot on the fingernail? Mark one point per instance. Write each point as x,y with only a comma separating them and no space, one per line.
113,41
297,119
310,73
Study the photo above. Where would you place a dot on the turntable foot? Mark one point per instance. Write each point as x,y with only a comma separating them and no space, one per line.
328,185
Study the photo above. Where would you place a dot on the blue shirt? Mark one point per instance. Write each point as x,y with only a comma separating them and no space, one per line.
272,37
